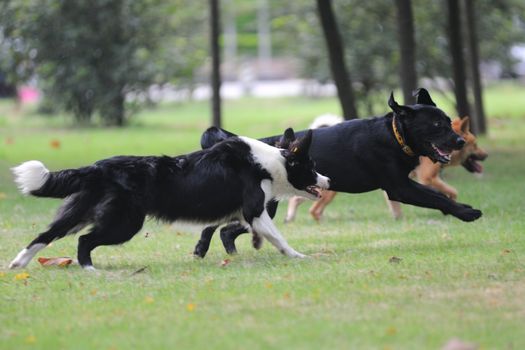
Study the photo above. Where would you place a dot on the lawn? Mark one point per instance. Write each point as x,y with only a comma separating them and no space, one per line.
452,279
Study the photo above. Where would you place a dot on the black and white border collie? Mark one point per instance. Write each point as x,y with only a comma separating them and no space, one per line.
234,180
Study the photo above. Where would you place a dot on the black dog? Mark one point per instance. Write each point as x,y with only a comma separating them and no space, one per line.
368,154
233,180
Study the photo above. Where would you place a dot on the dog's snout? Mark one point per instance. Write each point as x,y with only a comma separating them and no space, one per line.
460,141
323,181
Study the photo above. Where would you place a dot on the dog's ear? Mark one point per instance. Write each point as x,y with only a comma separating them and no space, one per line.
302,146
398,109
423,97
465,125
287,138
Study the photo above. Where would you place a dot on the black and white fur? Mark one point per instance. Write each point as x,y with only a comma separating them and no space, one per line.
233,180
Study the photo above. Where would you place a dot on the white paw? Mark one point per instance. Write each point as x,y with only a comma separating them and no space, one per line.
89,268
16,265
295,254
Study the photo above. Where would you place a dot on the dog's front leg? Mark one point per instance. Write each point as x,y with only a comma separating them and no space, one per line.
264,226
411,192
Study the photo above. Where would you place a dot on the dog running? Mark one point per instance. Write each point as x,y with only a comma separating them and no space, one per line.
362,155
233,180
426,173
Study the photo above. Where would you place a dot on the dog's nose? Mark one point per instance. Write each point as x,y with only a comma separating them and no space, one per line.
460,141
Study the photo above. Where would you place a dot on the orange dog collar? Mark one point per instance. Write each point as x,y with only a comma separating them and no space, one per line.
406,148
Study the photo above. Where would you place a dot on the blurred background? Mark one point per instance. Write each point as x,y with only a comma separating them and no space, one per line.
101,61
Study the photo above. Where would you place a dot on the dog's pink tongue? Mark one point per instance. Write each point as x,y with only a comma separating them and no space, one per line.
478,167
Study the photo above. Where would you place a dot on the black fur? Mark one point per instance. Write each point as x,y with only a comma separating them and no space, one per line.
114,195
363,155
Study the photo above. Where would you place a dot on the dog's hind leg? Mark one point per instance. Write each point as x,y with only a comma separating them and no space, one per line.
229,234
204,242
72,216
119,222
394,206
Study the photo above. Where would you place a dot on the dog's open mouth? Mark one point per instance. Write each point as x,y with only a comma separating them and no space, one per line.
440,154
472,164
314,190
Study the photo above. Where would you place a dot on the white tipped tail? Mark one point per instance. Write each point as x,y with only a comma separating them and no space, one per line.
30,176
325,120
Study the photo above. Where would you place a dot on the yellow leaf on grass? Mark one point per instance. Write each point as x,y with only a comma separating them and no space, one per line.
93,292
2,274
268,285
31,339
149,300
3,195
391,330
21,276
190,307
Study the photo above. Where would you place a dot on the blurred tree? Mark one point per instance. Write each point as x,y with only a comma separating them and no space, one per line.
407,45
456,47
216,61
335,47
89,55
478,123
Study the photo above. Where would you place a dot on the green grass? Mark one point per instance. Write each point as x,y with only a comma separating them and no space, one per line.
455,280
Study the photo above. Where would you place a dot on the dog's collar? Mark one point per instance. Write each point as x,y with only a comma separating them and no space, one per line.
406,148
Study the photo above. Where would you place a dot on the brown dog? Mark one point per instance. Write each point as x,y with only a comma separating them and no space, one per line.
427,173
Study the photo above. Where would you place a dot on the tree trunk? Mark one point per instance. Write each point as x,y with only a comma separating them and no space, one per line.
334,44
458,63
118,108
216,62
407,46
477,121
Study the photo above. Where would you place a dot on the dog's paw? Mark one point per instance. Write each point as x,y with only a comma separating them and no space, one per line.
469,214
298,255
199,251
257,241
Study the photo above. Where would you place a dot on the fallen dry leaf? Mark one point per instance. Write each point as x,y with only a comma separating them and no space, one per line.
62,261
149,300
3,195
142,269
394,260
190,307
503,252
225,262
9,141
391,330
55,144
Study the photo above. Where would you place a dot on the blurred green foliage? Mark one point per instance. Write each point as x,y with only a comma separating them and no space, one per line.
89,55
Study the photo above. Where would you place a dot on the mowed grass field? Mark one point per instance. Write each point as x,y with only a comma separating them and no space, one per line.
451,279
